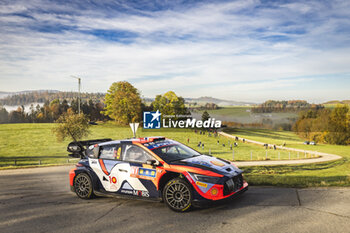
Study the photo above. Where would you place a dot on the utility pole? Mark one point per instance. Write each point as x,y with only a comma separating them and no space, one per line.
79,83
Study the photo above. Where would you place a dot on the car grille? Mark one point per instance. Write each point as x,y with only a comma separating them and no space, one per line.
234,184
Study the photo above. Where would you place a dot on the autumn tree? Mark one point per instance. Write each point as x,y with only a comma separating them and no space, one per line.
123,103
338,126
170,104
71,125
325,125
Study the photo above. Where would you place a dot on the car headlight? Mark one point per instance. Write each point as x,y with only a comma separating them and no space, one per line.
206,179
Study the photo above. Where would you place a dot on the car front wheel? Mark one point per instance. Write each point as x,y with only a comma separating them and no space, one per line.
83,186
177,195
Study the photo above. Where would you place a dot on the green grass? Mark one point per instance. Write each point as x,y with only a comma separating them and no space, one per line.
243,114
241,111
31,144
335,173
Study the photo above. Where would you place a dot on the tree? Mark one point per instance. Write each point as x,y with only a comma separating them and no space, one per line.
123,103
339,131
71,125
170,104
17,116
205,116
4,115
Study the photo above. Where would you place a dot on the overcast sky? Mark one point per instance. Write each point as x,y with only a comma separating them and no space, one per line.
238,50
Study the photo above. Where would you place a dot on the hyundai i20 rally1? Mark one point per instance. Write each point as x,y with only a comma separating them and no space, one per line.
154,168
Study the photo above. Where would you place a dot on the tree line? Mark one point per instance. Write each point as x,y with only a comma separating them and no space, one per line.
44,96
325,125
285,106
51,111
122,103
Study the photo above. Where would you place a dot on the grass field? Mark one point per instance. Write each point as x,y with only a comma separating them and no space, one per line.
325,174
243,114
31,144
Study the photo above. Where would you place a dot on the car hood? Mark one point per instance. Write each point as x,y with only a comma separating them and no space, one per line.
213,164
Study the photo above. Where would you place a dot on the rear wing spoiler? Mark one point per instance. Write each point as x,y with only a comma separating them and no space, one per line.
77,149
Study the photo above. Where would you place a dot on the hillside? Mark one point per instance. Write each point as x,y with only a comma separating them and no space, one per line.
338,102
220,102
41,96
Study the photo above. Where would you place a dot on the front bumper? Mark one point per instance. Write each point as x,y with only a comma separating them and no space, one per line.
225,199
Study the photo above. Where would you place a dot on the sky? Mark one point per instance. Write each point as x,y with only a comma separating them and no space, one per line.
244,50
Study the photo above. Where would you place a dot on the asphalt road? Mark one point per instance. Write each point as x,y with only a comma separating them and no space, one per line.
39,200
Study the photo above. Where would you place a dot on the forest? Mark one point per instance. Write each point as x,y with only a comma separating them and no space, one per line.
44,96
325,125
285,106
51,111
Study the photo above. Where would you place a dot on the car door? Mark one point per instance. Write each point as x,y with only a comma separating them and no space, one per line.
138,178
106,166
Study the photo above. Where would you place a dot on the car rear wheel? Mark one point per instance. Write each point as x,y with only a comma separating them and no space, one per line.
83,186
177,194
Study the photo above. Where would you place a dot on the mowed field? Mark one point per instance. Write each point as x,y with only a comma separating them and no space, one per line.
31,144
323,174
243,114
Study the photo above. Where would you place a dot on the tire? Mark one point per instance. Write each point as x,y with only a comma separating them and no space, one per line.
177,194
83,186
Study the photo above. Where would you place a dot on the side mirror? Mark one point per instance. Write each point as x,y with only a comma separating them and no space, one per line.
152,162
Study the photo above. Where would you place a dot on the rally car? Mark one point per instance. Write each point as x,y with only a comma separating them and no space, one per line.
153,168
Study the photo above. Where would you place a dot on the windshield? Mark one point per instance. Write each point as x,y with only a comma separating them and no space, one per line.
174,152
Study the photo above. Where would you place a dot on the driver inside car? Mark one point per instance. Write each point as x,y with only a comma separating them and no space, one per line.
135,154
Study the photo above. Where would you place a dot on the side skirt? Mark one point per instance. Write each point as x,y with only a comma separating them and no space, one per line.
122,196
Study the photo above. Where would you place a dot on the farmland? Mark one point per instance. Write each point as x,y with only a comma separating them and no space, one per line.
243,114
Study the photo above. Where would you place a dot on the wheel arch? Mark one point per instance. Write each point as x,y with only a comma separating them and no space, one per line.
90,173
166,178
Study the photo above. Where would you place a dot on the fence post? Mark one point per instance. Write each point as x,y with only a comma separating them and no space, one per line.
289,155
278,155
266,155
233,155
39,162
298,154
15,162
251,155
209,152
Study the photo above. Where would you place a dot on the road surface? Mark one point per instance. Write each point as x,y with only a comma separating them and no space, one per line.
39,200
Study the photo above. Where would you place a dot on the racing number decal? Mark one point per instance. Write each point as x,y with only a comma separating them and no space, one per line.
113,182
112,179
